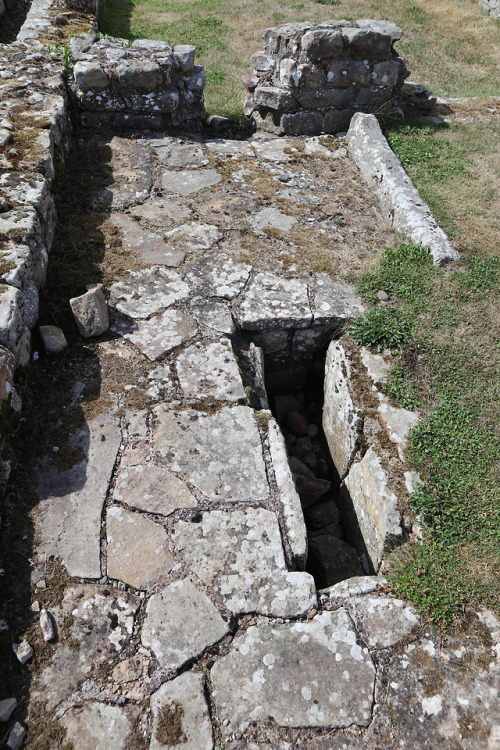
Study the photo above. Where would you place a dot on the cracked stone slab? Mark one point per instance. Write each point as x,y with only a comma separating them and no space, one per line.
95,625
230,149
97,726
177,154
152,488
352,587
144,293
218,276
271,217
159,335
72,501
162,212
149,246
240,554
440,693
181,622
185,696
137,548
272,302
214,314
210,370
195,237
307,674
293,516
195,444
335,302
381,621
189,181
132,176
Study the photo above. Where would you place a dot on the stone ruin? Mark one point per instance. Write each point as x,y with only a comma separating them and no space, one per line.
313,78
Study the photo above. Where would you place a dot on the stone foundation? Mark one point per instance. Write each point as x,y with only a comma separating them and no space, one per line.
145,85
311,79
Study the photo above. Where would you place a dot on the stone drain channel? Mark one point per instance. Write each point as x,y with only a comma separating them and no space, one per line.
169,552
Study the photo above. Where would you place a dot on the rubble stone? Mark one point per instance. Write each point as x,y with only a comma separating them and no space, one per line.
91,313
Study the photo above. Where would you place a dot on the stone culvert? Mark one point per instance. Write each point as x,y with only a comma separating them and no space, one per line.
313,78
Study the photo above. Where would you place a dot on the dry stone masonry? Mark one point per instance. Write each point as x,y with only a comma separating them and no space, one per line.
313,78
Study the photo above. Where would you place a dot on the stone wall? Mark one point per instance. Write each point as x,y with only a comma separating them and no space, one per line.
147,84
313,78
491,6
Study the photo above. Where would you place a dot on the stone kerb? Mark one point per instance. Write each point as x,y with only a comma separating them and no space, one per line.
311,79
147,84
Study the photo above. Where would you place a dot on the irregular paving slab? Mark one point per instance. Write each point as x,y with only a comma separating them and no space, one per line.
375,505
214,314
382,622
218,276
132,177
187,182
151,488
97,726
137,548
440,693
335,302
182,702
177,154
162,333
230,149
95,625
149,246
181,622
356,586
210,370
144,293
196,445
195,237
272,302
72,501
307,674
271,217
240,554
162,212
293,517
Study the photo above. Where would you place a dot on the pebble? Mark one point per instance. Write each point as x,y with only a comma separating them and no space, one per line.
383,296
4,206
23,651
48,626
296,423
41,584
7,707
35,607
313,430
16,736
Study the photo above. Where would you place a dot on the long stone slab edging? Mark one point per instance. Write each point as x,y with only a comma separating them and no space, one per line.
399,198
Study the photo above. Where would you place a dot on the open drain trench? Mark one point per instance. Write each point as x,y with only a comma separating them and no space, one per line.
332,556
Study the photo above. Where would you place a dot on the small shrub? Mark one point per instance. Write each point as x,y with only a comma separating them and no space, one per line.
383,328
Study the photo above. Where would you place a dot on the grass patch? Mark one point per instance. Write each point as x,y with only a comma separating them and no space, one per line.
442,332
451,46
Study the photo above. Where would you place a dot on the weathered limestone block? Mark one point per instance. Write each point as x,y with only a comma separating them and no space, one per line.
375,505
144,293
344,73
322,43
14,334
90,76
307,674
262,62
342,413
321,98
274,98
91,313
210,371
185,698
386,73
54,340
336,120
271,302
368,43
293,517
185,53
302,123
240,554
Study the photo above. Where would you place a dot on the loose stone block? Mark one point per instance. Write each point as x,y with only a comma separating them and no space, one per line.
210,370
183,697
91,313
186,54
274,98
72,500
195,444
368,42
295,527
307,674
342,417
187,182
137,548
16,736
144,293
97,726
181,622
53,338
240,554
322,43
376,507
23,651
272,302
7,707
